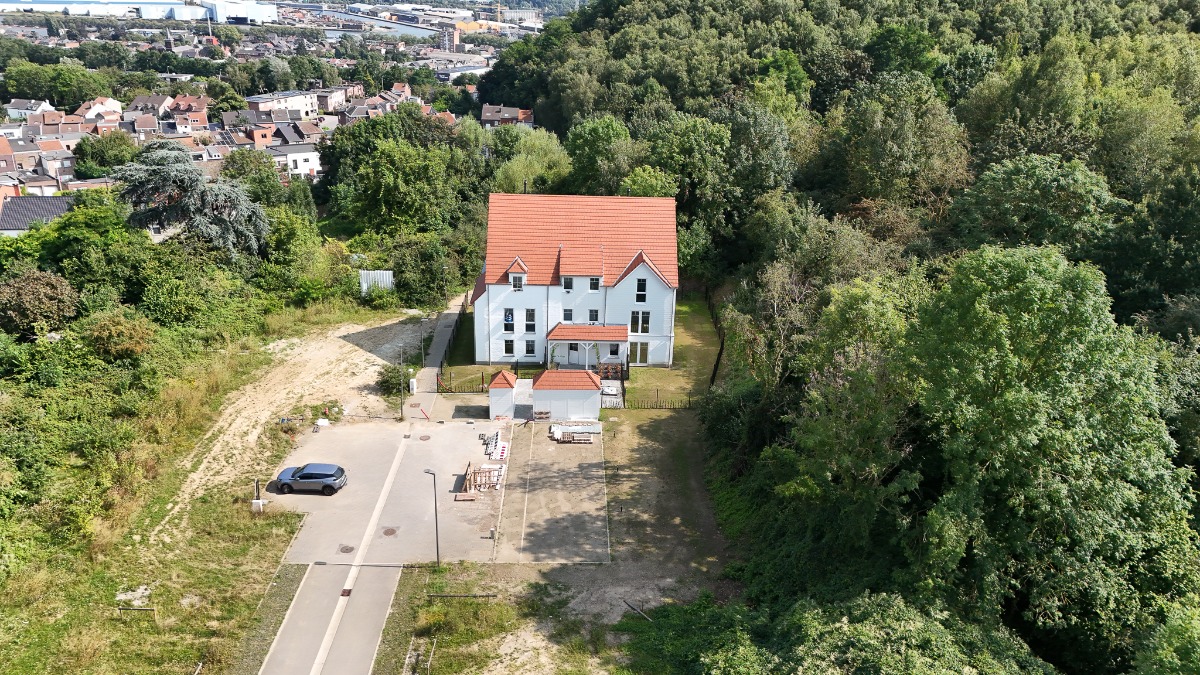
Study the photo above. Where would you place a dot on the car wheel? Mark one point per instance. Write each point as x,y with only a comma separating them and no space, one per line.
285,489
328,491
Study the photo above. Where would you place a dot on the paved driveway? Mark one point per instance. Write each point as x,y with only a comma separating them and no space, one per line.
355,540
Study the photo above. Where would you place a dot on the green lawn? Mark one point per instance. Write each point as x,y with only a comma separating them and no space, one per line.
696,346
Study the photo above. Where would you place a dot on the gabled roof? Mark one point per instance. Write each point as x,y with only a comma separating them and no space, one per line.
534,227
641,259
582,332
18,213
567,380
517,264
503,380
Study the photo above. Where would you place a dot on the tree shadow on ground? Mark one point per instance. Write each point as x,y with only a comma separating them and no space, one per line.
392,340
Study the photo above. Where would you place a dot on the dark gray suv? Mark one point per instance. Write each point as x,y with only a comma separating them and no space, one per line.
325,478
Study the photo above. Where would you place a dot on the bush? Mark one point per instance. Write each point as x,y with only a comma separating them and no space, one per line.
116,335
378,297
393,380
35,297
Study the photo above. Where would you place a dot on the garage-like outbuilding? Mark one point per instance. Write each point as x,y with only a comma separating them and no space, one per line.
501,395
567,395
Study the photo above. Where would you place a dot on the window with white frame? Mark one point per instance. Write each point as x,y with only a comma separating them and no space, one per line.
572,346
593,315
639,352
568,315
530,347
508,347
614,349
518,282
594,284
640,296
508,320
530,320
568,283
639,322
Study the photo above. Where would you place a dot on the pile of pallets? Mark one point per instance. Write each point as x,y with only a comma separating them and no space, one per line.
479,478
574,433
493,447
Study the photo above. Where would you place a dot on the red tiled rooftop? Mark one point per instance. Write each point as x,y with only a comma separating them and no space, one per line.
567,380
582,332
534,227
503,380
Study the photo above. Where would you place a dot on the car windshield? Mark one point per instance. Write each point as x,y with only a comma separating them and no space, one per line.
339,473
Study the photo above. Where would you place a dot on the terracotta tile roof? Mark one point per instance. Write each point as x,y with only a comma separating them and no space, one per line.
503,380
5,148
581,260
639,259
582,332
567,380
476,293
534,227
50,146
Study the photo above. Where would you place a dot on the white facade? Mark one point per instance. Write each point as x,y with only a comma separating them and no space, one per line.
568,404
303,101
20,112
586,302
501,402
300,159
236,11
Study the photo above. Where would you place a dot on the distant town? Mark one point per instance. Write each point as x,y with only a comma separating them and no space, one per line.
225,75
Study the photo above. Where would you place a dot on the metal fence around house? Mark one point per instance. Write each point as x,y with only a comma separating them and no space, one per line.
659,403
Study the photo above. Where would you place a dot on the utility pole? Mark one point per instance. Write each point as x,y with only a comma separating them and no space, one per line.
437,538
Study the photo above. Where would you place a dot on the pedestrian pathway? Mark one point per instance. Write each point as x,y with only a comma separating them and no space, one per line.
440,347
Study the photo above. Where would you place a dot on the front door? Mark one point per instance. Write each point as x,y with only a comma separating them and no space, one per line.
573,356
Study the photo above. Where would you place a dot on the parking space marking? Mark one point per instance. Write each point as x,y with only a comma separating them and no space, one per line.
528,473
336,620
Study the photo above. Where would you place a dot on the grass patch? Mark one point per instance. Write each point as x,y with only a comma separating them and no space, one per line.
58,612
460,626
462,349
696,347
296,321
268,618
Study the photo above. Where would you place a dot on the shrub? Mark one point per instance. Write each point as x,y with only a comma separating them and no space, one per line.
378,297
393,380
35,297
118,336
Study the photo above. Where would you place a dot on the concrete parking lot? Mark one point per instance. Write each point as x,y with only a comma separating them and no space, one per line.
356,540
404,532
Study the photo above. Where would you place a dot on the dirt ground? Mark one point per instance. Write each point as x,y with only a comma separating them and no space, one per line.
665,544
339,364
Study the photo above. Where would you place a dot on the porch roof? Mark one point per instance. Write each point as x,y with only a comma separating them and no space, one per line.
582,332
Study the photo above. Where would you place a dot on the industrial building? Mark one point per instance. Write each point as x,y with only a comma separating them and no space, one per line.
219,11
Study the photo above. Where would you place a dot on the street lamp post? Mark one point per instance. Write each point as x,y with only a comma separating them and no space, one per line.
437,537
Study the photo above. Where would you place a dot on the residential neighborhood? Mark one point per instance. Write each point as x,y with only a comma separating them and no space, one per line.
38,142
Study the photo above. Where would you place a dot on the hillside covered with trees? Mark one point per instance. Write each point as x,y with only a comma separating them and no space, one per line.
956,425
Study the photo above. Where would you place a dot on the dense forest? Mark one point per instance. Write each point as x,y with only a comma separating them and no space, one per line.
956,248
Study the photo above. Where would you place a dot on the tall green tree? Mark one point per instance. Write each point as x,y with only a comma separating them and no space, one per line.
1038,200
1058,508
168,191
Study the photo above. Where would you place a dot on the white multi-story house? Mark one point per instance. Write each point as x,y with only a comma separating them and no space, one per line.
577,280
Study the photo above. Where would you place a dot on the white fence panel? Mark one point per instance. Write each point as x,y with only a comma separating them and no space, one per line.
369,278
